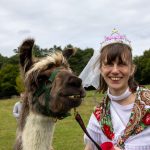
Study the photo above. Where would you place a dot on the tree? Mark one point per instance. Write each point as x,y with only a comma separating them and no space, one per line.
81,58
19,84
13,59
37,51
8,80
142,74
3,60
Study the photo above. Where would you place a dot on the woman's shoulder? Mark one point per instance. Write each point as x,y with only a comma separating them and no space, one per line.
144,94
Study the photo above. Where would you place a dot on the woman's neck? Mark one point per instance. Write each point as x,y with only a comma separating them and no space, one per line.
128,100
123,97
118,92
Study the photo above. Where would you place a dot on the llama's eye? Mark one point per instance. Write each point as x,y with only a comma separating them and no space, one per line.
39,79
42,78
50,66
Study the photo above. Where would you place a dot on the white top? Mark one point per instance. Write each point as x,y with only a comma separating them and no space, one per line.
140,141
17,109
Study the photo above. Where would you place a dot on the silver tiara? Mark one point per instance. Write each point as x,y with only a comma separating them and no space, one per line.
115,37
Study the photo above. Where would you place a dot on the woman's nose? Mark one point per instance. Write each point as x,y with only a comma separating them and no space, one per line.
115,68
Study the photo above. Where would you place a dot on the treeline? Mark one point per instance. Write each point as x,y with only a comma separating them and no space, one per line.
11,82
142,74
10,79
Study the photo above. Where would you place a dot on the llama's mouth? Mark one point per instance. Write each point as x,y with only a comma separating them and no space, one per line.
73,97
76,96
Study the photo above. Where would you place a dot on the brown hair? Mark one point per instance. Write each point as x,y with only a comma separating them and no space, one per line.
110,53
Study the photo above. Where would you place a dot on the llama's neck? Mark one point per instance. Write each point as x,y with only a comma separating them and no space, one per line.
38,132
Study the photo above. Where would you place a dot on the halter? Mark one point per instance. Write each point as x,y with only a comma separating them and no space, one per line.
45,87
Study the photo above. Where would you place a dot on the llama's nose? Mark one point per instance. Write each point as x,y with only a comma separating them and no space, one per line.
74,81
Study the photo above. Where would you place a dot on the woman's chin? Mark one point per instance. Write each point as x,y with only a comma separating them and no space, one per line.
116,87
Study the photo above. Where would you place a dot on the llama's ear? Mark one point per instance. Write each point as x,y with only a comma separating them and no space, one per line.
26,54
68,52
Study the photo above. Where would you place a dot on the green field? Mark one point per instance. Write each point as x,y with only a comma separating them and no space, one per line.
68,134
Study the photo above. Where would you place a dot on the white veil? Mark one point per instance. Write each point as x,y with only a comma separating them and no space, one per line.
91,73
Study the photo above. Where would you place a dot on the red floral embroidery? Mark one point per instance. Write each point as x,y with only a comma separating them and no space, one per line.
146,119
108,132
107,146
111,136
106,128
97,113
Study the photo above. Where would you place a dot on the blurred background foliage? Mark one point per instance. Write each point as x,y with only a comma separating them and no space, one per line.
11,82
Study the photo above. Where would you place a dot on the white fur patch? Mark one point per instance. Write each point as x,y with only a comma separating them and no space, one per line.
38,132
54,58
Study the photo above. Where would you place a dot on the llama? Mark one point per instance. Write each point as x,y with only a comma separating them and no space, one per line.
51,91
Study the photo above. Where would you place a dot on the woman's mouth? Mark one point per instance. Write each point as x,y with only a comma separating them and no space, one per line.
115,78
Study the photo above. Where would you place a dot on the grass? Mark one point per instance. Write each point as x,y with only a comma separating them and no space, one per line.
68,134
147,86
7,124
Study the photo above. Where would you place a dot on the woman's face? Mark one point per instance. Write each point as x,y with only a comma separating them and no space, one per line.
116,75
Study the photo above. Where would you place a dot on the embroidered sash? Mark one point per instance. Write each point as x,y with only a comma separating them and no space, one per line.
139,118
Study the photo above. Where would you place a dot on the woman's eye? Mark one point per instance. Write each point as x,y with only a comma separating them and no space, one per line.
122,64
109,64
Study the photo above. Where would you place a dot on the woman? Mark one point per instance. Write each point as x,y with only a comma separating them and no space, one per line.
123,116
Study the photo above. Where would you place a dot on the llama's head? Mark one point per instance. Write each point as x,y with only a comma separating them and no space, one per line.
52,87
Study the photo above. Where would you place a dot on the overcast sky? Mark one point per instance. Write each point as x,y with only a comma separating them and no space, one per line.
82,23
